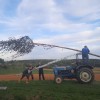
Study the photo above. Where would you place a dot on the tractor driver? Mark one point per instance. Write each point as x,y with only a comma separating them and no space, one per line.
85,56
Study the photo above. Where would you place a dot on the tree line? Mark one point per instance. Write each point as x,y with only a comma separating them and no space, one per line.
23,63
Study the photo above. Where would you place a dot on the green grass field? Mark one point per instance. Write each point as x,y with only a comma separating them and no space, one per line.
49,90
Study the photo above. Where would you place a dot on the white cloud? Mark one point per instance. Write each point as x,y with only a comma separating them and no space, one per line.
76,40
37,14
45,10
42,14
81,7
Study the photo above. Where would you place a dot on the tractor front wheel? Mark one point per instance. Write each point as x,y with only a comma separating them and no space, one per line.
58,79
85,75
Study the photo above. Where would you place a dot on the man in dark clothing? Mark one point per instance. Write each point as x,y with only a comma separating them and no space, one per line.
41,74
85,56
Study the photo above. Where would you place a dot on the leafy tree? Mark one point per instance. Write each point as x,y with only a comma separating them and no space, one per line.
2,61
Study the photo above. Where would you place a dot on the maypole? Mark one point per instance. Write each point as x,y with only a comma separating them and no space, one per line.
25,45
48,45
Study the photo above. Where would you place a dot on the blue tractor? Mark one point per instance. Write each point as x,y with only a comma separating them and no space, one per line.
83,73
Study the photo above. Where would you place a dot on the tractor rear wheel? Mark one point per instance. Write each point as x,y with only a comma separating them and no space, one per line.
85,75
58,79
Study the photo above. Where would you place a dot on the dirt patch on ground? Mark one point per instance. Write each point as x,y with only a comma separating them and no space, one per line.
36,77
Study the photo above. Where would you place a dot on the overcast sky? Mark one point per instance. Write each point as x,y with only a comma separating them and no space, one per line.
69,23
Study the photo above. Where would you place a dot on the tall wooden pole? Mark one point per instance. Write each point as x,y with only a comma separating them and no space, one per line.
64,48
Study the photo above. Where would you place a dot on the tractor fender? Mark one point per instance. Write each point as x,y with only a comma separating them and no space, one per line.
84,66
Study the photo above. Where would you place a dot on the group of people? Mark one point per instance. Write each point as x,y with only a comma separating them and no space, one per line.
28,73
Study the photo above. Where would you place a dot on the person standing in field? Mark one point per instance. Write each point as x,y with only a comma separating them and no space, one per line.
41,72
85,56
